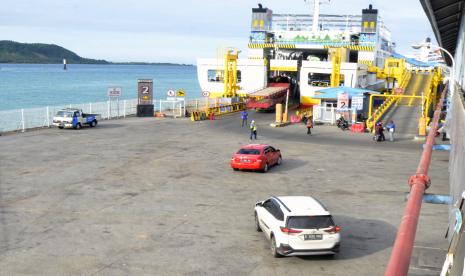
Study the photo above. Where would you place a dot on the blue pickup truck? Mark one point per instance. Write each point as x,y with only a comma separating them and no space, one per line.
74,118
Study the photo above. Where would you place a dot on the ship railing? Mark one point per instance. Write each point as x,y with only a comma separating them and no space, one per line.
279,42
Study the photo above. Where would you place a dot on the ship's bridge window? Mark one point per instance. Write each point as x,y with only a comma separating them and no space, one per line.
319,79
218,76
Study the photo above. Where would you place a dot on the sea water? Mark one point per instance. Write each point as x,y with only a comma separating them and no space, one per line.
38,85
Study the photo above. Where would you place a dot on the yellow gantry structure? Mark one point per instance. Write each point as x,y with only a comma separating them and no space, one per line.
422,90
336,57
230,73
394,68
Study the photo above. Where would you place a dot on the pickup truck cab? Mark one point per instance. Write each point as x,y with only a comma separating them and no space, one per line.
74,118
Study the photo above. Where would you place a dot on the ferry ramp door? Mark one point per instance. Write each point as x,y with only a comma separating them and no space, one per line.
288,77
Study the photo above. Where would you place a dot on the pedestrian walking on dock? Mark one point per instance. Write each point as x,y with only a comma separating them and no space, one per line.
309,125
391,127
253,130
379,132
244,115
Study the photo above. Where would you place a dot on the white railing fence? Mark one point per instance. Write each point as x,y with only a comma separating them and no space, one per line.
26,118
23,119
328,115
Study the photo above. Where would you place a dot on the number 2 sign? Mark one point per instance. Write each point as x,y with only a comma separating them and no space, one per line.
145,91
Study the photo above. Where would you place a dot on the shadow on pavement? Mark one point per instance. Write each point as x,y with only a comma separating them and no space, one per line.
360,237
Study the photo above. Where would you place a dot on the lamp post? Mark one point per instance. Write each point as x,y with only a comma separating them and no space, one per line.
452,71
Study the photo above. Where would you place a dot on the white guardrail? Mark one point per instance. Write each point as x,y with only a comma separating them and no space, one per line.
27,118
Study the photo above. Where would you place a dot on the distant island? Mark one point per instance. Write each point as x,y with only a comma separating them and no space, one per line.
39,53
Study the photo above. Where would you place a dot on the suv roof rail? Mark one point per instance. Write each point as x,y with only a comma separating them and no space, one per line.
282,203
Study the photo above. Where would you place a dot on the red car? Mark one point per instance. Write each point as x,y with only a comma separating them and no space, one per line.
256,157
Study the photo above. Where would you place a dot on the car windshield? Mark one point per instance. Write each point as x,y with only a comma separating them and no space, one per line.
249,151
64,114
310,222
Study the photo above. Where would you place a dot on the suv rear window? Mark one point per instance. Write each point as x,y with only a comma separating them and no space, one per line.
249,151
310,222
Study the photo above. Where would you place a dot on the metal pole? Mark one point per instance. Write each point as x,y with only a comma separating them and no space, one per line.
174,112
108,110
332,114
48,116
452,71
402,251
90,107
22,121
287,105
124,109
117,105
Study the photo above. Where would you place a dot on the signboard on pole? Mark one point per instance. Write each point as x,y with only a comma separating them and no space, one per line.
343,101
206,94
180,93
357,102
114,92
145,91
170,93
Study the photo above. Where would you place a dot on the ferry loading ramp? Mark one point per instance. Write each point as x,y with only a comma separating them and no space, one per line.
268,97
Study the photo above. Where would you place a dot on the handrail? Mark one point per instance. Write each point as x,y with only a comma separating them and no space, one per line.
402,251
225,109
379,112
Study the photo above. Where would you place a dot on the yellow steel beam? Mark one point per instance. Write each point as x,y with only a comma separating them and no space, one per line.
336,68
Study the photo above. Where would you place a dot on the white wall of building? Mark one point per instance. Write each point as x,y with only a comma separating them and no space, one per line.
253,74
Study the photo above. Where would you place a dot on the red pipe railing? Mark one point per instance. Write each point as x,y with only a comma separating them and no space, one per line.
403,246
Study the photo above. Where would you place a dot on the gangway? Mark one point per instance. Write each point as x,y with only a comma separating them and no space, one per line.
410,109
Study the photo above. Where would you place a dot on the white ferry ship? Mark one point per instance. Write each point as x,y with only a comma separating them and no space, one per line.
299,49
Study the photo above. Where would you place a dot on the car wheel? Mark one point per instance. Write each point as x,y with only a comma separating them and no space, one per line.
280,160
257,224
274,250
92,124
60,127
236,169
265,169
78,126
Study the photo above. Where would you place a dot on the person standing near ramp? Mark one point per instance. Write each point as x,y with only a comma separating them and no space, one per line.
244,116
309,125
391,127
253,130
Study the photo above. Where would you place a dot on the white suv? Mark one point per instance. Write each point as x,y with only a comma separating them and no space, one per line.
297,225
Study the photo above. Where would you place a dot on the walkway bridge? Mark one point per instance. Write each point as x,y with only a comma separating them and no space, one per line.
407,111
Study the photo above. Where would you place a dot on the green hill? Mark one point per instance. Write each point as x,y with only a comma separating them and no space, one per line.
15,52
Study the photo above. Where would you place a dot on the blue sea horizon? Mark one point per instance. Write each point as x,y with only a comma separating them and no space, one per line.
38,85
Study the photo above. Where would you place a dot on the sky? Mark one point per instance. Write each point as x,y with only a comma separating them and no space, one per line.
176,31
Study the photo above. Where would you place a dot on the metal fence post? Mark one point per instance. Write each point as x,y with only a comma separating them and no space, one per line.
23,127
108,110
124,108
90,107
332,114
47,110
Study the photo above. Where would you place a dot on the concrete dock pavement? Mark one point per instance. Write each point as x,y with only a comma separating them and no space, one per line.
150,196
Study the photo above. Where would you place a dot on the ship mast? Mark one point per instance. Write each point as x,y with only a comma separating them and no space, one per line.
316,15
